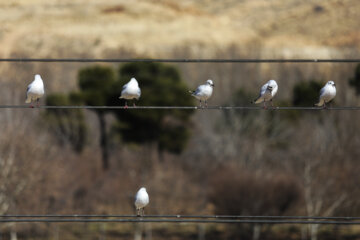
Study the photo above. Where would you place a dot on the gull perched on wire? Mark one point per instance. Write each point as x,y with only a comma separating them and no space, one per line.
35,90
203,92
141,200
130,91
327,93
267,92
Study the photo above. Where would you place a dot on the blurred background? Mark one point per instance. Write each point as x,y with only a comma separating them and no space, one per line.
191,162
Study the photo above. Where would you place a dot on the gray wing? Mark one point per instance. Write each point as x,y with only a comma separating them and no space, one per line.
322,91
28,88
124,87
263,89
262,92
199,89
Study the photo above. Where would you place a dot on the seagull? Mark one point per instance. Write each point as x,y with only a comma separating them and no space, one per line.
267,92
131,90
203,92
141,200
35,90
327,93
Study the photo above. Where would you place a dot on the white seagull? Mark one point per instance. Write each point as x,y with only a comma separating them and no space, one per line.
203,92
35,90
141,200
130,91
327,93
267,92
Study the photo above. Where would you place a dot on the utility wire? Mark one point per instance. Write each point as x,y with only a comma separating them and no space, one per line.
180,216
158,220
181,60
355,108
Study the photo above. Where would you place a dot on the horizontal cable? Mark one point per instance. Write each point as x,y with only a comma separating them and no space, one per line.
178,216
183,60
152,220
182,107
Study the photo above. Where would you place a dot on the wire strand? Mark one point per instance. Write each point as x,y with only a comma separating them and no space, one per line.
181,60
152,220
179,216
351,108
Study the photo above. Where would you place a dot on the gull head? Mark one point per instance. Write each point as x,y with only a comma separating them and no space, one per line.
331,83
272,83
210,82
37,77
143,189
133,80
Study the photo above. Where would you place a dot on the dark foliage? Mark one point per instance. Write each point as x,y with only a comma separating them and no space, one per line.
306,93
244,193
68,125
161,85
355,82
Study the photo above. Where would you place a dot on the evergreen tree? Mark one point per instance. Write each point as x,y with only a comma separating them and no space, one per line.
161,85
95,85
306,93
68,125
355,82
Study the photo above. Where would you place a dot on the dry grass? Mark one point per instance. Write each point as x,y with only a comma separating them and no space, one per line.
155,28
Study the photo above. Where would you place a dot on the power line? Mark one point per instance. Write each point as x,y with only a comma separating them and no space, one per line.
181,60
179,216
153,220
354,108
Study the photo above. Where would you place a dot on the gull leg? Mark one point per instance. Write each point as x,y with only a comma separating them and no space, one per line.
134,104
37,102
31,104
138,212
200,103
143,211
264,105
126,106
271,102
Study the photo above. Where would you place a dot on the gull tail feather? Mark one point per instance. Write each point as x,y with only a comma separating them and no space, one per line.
319,104
256,101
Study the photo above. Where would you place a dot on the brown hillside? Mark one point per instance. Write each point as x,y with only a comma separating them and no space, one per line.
155,28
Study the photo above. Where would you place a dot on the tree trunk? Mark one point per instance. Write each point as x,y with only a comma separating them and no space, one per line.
103,141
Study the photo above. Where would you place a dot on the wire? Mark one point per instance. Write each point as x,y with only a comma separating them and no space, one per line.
140,219
182,107
182,60
180,216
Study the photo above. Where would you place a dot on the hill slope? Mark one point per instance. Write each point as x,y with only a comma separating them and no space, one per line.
156,27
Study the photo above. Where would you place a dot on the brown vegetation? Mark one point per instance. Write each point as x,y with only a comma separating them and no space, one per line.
282,162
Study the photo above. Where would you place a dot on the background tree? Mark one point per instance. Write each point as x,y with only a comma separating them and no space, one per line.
355,81
306,93
95,84
68,125
247,193
161,85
